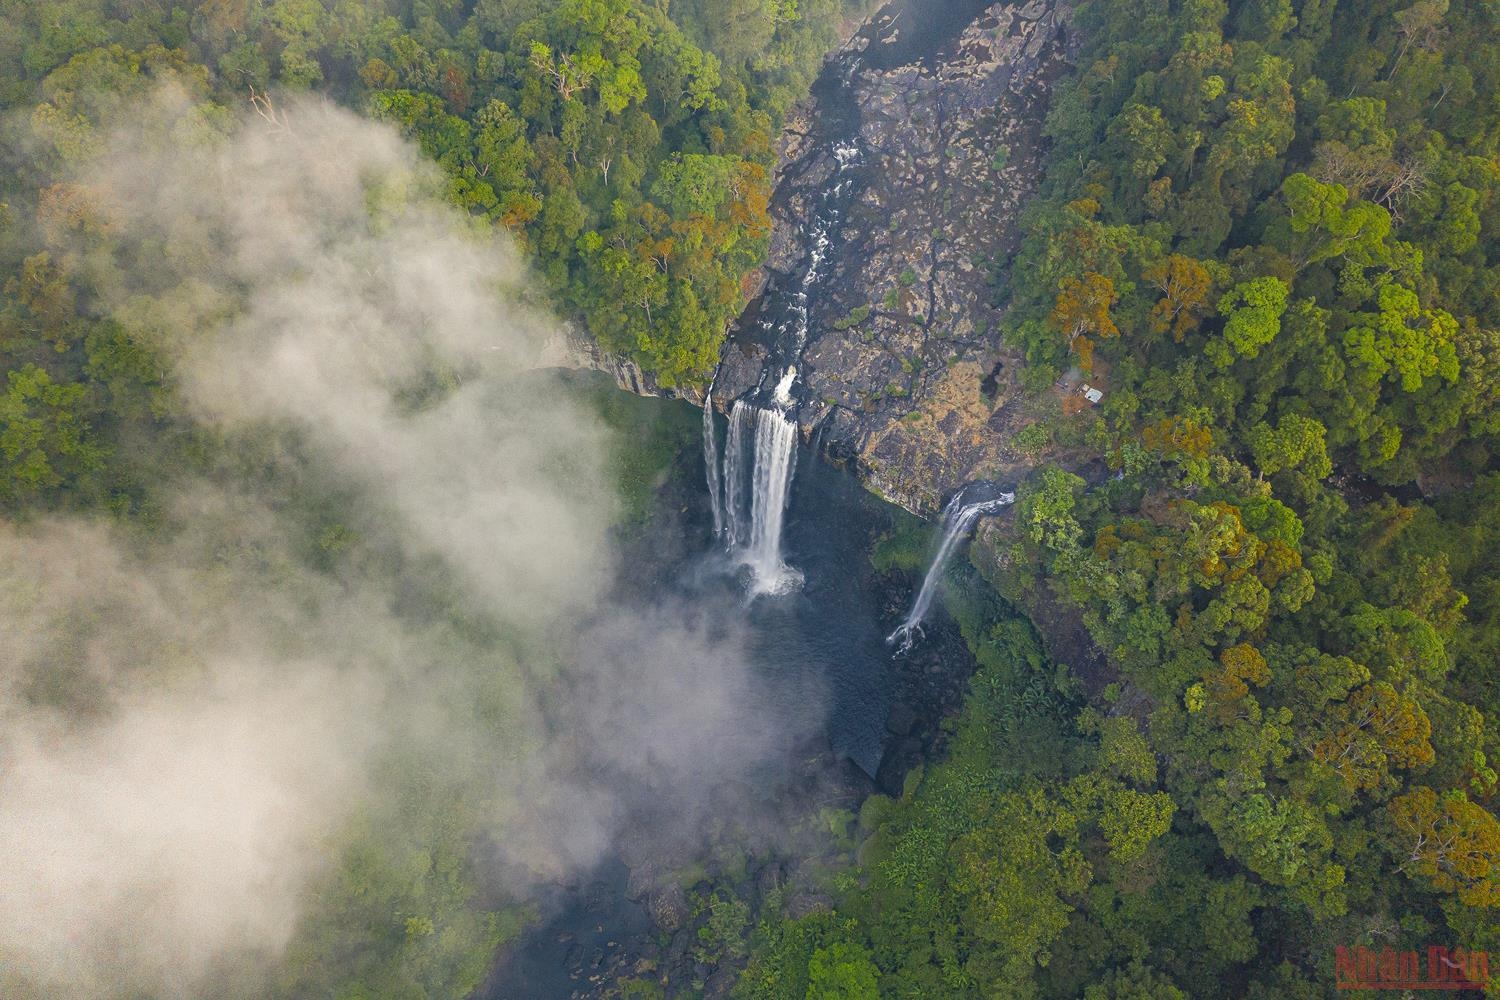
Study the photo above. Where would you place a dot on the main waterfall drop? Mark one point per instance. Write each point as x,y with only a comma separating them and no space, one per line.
741,420
750,495
958,518
775,461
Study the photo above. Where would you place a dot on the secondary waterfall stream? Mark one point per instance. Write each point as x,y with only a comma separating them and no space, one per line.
958,518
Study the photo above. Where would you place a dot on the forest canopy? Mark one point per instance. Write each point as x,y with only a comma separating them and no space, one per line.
269,273
627,149
1236,650
1267,232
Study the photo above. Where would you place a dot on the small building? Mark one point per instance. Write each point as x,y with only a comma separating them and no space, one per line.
1090,393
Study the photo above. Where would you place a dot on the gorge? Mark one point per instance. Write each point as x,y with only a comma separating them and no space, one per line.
1029,530
893,220
802,385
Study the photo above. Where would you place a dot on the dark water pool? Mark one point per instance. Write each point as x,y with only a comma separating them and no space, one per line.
823,642
832,628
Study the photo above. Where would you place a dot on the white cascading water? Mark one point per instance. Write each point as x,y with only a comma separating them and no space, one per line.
783,391
741,417
711,463
760,452
758,540
820,234
958,518
775,461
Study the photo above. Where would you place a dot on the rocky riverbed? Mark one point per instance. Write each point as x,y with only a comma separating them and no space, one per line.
903,373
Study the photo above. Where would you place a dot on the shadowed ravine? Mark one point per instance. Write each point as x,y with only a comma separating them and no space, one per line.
821,643
774,544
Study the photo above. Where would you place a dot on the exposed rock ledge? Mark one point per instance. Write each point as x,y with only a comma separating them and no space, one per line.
572,348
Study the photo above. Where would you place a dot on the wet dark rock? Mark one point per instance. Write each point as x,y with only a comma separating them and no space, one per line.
678,949
900,719
899,758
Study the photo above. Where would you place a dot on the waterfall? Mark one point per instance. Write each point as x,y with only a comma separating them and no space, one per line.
740,417
711,463
775,461
783,391
958,518
760,456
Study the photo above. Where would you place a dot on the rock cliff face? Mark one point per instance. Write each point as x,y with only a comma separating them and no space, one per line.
573,348
900,370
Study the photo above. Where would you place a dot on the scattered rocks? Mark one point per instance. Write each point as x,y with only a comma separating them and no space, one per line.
643,878
668,906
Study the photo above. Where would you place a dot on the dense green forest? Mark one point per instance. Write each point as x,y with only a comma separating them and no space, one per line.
626,149
1268,230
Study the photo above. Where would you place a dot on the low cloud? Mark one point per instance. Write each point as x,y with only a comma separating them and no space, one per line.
192,709
169,767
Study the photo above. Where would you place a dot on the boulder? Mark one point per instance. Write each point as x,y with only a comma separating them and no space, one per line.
668,906
900,719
